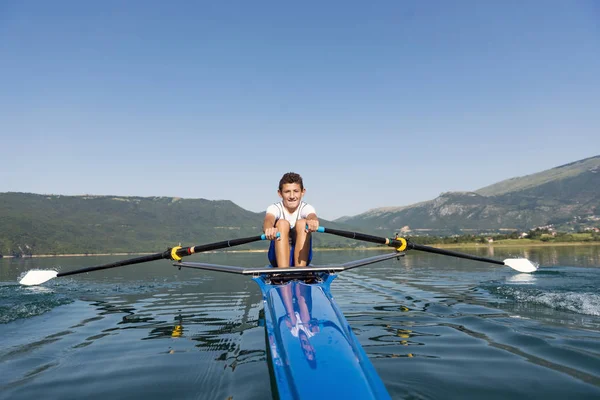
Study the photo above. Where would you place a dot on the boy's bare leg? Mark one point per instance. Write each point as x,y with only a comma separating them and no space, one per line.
302,247
282,254
282,245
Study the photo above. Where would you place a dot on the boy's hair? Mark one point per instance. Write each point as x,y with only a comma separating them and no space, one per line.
291,177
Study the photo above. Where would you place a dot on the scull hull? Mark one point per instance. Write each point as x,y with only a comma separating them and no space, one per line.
314,353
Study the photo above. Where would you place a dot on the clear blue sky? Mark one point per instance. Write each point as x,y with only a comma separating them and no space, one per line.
382,104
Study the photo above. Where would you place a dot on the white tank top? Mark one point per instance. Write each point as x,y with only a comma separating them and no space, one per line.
279,211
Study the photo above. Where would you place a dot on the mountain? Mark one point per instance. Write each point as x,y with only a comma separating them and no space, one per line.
557,174
56,224
567,197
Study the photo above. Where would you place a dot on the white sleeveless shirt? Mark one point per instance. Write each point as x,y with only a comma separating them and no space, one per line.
279,211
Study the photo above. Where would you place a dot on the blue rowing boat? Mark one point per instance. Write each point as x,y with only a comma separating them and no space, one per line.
312,350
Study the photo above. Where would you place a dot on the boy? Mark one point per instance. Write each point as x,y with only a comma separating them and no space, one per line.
294,220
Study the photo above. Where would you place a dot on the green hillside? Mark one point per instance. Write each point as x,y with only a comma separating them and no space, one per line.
53,224
562,173
567,197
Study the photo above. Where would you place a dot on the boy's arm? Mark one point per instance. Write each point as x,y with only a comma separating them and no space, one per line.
269,226
269,221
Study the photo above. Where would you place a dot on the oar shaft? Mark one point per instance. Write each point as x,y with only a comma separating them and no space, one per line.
181,252
409,245
186,251
357,236
130,261
452,253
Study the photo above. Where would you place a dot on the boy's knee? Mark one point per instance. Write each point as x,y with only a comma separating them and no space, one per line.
283,225
301,225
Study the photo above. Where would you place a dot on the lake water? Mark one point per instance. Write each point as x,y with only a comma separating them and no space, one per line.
434,327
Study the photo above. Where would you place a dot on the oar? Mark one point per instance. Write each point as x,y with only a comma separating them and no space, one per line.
401,244
37,277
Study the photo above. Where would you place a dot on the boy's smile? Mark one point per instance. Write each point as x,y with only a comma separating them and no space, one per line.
291,194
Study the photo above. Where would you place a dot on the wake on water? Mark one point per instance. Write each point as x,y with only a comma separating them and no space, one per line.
559,288
18,302
581,303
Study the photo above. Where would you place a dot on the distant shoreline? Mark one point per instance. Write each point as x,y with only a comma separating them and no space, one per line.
442,246
500,244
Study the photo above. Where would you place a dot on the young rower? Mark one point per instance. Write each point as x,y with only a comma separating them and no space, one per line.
294,219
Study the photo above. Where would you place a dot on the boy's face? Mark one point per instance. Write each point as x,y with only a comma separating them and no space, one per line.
291,194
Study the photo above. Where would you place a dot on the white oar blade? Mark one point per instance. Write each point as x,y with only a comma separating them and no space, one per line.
37,277
520,264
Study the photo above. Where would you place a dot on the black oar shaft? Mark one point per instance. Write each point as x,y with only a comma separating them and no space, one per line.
357,236
409,245
218,245
137,260
180,252
452,253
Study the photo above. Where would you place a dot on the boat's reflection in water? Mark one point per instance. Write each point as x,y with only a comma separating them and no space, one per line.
313,350
296,299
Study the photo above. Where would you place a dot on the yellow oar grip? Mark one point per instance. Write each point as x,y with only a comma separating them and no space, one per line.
402,247
174,255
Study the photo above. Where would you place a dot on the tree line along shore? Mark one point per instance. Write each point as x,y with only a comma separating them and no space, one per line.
464,241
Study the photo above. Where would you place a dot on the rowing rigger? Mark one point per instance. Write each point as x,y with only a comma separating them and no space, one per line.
313,352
